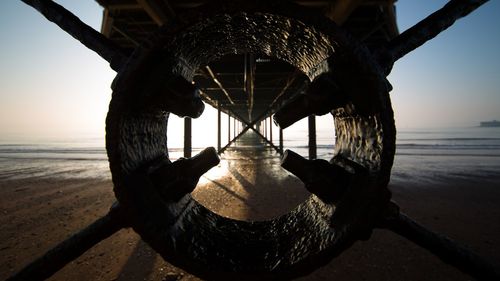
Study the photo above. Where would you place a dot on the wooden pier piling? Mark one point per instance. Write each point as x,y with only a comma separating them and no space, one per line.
187,137
312,137
218,127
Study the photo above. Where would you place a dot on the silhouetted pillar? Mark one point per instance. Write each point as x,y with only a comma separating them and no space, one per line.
281,141
187,137
234,127
271,129
229,128
218,127
312,137
265,128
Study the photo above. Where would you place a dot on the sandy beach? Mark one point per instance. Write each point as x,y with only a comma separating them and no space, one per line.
37,213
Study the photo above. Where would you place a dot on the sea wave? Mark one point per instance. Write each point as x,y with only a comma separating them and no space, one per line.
450,139
448,146
52,150
417,153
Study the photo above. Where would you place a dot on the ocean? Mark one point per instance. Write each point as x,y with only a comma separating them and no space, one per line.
422,155
447,155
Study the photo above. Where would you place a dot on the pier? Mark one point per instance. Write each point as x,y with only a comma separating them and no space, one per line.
232,212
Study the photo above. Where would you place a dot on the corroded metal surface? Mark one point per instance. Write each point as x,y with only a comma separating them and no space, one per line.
289,40
325,180
191,236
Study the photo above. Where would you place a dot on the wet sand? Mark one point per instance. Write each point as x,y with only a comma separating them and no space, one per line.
249,183
37,213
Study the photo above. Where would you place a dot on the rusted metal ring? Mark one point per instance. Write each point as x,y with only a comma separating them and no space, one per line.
192,237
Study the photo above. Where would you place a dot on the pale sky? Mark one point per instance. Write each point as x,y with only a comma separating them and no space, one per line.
50,84
454,79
